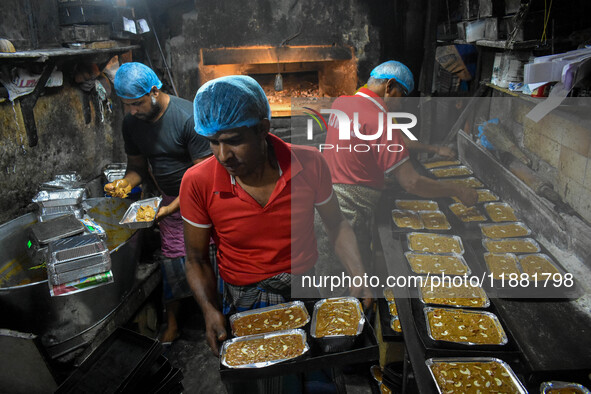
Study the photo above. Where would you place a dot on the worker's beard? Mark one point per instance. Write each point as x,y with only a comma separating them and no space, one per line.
155,109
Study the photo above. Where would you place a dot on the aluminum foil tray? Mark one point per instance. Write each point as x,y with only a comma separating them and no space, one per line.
103,258
74,248
114,171
129,218
52,230
87,267
336,343
490,206
403,219
62,181
503,245
458,257
449,172
518,386
427,225
488,228
440,163
424,295
417,205
52,198
227,343
284,306
494,317
457,240
545,387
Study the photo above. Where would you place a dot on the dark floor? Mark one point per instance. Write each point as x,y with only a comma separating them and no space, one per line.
200,367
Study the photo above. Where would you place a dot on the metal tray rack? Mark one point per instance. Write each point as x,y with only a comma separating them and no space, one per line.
120,364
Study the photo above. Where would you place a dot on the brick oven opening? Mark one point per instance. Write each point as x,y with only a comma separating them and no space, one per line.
307,71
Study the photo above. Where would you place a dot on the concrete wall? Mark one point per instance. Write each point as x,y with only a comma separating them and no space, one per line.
559,146
66,144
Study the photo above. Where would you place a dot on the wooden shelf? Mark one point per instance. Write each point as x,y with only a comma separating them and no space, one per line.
42,55
535,100
500,44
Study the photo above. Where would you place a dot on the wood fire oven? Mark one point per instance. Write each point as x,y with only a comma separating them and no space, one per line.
306,71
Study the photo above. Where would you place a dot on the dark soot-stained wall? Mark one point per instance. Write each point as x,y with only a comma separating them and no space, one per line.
186,27
66,142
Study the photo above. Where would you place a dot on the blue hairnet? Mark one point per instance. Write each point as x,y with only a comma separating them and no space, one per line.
396,70
134,80
229,102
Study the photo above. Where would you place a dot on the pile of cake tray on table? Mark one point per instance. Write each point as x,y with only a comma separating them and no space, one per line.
502,320
296,337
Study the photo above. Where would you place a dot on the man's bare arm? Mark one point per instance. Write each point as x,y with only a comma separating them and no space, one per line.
442,151
422,186
175,204
203,284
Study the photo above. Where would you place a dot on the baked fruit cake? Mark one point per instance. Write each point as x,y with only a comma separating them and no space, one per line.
457,325
407,219
436,264
513,245
434,243
473,377
464,296
468,182
389,294
501,265
434,220
484,195
499,212
417,205
257,350
451,171
537,264
467,214
441,163
338,316
504,230
559,387
269,319
392,308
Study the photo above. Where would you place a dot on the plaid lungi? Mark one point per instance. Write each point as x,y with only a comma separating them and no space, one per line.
271,291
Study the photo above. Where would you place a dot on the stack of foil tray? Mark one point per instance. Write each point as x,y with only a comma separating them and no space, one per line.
42,233
77,257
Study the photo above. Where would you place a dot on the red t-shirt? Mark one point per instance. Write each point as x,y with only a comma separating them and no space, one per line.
356,161
254,242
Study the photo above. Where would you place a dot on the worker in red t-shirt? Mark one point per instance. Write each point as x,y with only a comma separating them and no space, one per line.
358,172
256,198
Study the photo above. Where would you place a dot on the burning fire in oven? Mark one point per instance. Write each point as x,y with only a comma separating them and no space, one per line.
294,85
